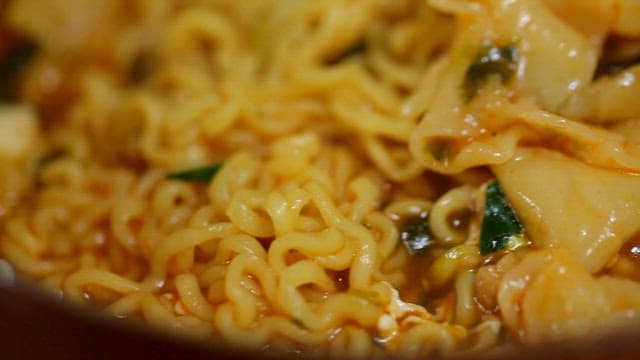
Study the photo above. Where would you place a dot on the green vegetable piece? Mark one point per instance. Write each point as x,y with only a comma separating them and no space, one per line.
140,68
299,323
356,49
415,234
616,56
490,63
442,149
200,174
12,68
501,228
611,68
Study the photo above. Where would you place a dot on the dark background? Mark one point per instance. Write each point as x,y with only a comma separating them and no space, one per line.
35,326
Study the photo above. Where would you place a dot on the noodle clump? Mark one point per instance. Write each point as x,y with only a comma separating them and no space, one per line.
355,178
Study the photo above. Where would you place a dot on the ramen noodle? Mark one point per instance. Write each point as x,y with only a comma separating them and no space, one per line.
338,178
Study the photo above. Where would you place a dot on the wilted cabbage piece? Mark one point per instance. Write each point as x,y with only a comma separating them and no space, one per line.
564,203
581,305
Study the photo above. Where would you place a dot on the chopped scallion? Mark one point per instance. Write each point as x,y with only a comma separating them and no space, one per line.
202,174
299,323
12,67
415,234
501,228
356,49
491,62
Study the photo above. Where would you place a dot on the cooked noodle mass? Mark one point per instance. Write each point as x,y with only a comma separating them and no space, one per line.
338,177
